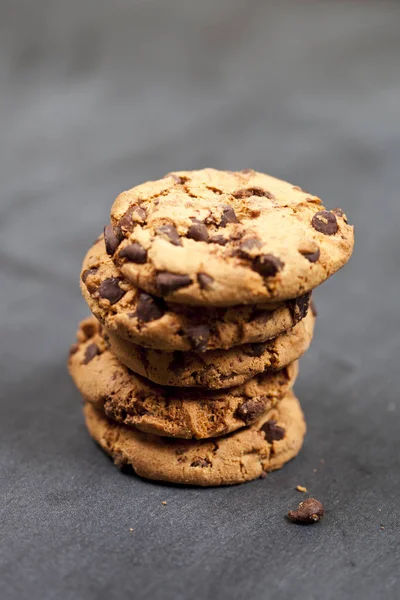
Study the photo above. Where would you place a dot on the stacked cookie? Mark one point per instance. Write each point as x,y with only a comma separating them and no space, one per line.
201,294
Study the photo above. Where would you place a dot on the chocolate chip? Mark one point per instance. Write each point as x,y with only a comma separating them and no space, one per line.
112,238
246,171
74,349
228,216
250,410
88,273
134,253
256,349
299,307
169,282
219,239
90,353
198,336
310,511
272,431
267,265
201,462
325,222
254,191
171,233
311,256
250,244
198,231
340,213
247,246
205,281
149,308
134,214
109,289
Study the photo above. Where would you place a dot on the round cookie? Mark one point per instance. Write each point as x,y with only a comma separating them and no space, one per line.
154,323
221,238
241,456
178,412
217,368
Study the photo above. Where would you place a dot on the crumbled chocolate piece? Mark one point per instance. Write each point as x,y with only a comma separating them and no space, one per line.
310,511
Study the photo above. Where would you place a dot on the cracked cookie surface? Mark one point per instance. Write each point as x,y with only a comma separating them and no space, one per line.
184,413
154,323
221,238
246,454
217,368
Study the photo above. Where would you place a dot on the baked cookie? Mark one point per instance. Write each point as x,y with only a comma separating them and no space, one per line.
154,323
178,412
238,457
222,239
217,368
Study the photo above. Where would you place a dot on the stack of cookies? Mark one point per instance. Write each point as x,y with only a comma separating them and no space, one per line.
200,289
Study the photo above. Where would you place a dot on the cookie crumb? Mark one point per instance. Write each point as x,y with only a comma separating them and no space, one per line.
315,470
301,488
164,503
308,512
130,529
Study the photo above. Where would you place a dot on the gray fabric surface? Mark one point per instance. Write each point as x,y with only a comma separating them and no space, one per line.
98,96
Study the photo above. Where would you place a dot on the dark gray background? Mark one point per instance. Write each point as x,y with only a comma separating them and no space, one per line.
98,96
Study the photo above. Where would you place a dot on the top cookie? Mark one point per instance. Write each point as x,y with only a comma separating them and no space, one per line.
220,238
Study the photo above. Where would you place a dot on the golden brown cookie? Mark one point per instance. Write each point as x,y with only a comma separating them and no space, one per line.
222,239
154,323
241,456
178,412
217,368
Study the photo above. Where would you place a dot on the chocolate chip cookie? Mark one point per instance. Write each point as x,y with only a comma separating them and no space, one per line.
241,456
178,412
155,323
222,239
217,368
